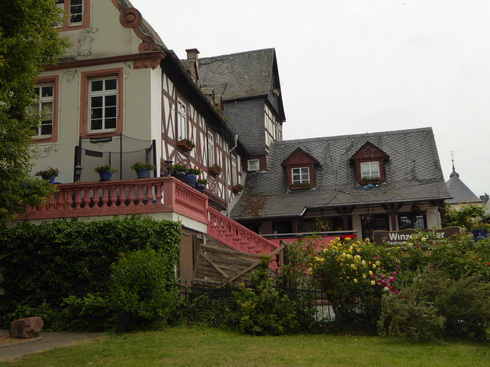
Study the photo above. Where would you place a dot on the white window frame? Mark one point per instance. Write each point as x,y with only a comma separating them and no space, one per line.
253,165
70,7
211,155
103,94
300,175
37,109
370,170
181,120
234,173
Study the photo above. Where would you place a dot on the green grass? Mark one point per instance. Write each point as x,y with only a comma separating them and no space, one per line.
209,347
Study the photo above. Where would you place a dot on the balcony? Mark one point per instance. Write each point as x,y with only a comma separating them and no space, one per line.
150,196
123,197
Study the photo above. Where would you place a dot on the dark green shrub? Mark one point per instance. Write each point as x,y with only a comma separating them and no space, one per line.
436,306
89,313
264,309
143,290
47,263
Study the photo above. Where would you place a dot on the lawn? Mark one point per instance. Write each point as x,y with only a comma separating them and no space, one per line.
209,347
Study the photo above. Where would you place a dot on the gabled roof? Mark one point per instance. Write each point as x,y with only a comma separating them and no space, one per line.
459,191
241,75
413,173
369,151
300,156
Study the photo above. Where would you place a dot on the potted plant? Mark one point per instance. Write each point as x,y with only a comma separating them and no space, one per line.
300,185
178,171
237,188
480,231
185,144
105,172
48,174
201,184
191,176
142,169
215,170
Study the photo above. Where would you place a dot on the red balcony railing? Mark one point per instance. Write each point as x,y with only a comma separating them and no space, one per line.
124,197
151,195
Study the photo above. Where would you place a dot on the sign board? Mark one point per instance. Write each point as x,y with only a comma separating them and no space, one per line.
396,238
101,140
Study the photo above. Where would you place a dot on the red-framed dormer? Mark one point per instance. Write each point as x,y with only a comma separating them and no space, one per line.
300,169
369,162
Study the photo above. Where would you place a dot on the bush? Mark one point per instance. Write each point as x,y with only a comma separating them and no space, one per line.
143,291
263,309
436,306
66,263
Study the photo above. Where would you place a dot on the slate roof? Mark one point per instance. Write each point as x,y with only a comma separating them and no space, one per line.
413,173
241,75
459,191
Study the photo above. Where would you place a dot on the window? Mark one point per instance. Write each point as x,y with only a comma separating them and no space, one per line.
101,98
370,170
45,109
253,165
77,13
370,164
300,175
234,172
411,220
181,120
211,159
103,104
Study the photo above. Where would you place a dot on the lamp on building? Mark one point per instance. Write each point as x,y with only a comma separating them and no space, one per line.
169,164
78,173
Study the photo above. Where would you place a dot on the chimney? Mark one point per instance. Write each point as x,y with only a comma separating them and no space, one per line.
192,53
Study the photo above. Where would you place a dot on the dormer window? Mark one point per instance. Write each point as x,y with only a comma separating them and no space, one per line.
369,162
370,170
300,176
300,170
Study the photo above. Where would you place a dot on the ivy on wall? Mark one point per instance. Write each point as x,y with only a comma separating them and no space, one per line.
46,263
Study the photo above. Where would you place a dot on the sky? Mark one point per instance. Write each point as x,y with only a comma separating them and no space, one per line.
359,66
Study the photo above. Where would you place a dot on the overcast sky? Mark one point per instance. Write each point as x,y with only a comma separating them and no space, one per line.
356,66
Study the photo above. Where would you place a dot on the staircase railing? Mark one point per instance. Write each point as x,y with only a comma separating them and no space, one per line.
238,237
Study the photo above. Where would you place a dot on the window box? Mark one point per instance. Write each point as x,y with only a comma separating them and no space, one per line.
371,180
302,185
237,188
215,170
185,145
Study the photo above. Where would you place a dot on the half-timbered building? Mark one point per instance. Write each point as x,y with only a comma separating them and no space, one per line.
120,96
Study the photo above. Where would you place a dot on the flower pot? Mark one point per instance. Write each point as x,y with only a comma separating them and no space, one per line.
184,146
179,175
48,178
190,179
214,171
105,176
480,234
143,173
200,187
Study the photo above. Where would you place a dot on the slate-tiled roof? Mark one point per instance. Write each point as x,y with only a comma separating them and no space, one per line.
240,75
413,173
459,191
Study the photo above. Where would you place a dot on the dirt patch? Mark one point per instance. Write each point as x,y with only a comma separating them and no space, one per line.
5,340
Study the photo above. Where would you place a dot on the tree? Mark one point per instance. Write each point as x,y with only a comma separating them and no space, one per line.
29,41
466,216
